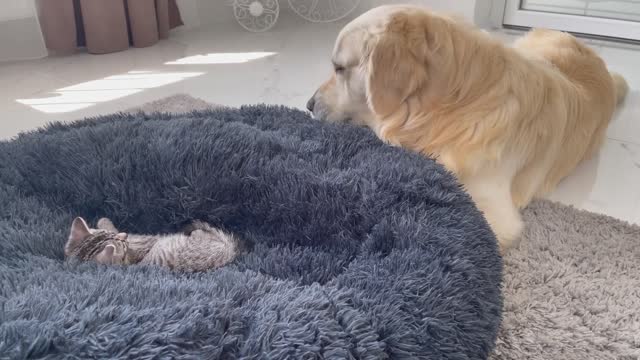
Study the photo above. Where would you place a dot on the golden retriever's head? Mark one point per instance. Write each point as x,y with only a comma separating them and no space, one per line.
380,59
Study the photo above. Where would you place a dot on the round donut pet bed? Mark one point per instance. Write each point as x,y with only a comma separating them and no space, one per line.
360,250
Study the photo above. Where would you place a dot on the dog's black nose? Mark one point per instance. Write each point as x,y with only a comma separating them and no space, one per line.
311,103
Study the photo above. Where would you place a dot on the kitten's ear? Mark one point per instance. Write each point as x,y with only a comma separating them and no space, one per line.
106,256
106,224
122,236
79,232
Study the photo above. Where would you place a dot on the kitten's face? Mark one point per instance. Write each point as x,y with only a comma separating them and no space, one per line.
104,245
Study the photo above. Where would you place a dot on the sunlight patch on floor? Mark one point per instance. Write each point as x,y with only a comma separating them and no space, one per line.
84,95
221,58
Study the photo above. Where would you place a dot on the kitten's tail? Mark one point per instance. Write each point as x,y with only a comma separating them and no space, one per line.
238,245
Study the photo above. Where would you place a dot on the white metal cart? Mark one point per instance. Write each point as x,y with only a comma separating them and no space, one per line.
262,15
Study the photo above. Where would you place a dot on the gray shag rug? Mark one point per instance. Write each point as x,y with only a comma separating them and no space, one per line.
572,288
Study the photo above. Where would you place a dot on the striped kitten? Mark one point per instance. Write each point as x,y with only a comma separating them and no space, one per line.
201,248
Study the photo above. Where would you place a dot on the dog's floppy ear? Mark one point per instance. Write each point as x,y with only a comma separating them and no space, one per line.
397,64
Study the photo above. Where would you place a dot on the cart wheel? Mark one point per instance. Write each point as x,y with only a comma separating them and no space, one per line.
256,15
323,10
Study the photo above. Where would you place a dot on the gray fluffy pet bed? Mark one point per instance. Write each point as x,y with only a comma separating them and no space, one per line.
360,250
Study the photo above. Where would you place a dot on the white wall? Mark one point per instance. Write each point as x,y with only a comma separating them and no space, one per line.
203,12
218,11
20,35
480,12
189,13
16,9
465,8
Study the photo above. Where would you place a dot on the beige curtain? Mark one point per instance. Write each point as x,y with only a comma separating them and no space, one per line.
104,26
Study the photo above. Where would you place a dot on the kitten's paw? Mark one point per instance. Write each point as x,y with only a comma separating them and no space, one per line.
196,225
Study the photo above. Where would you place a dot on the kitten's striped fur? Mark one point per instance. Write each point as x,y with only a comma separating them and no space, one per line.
202,247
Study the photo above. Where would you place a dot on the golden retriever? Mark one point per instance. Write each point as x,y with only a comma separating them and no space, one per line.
509,122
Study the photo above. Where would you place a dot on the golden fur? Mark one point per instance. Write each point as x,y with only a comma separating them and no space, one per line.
509,122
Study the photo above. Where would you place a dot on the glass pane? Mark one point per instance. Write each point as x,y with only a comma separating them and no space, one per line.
612,9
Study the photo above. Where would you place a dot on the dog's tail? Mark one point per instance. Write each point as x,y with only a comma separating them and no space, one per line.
621,87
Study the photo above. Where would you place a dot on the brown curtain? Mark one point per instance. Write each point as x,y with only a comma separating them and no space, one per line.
104,26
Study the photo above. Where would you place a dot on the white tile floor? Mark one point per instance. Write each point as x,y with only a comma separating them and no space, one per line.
233,67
